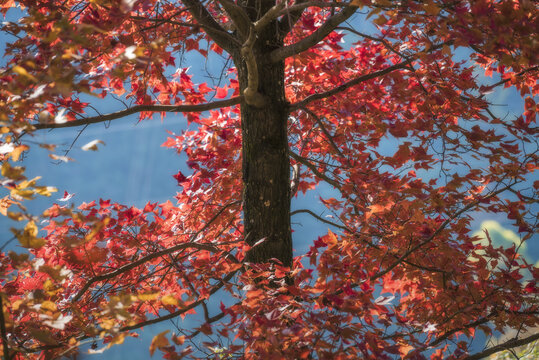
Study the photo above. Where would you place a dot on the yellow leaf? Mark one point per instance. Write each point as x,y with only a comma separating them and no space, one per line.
22,71
30,64
31,228
48,306
73,342
68,54
13,173
373,12
118,339
22,194
17,259
15,216
45,190
107,324
148,296
158,341
16,304
169,300
28,237
16,153
28,183
49,287
44,336
53,34
96,229
507,59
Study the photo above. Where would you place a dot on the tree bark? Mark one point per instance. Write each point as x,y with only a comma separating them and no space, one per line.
266,164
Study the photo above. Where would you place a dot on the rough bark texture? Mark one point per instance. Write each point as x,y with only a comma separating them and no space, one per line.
266,164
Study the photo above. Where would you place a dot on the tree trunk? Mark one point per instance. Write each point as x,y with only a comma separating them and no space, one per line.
266,164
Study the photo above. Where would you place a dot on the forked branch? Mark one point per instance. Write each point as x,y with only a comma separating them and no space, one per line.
210,26
348,84
313,39
313,168
238,16
250,93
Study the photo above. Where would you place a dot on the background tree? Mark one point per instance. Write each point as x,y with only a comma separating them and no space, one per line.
388,117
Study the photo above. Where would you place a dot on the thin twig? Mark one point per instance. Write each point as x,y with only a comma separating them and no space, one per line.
313,168
307,211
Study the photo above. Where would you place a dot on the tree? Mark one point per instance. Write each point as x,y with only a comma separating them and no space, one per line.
388,117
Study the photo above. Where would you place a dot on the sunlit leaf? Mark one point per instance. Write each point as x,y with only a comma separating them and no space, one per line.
92,145
28,237
158,341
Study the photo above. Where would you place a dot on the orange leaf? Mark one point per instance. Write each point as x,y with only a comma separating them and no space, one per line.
16,153
404,349
331,239
377,208
160,340
5,203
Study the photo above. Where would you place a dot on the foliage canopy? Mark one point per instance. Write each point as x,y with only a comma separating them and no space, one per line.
396,119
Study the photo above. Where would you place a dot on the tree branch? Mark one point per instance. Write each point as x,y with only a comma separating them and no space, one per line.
348,84
513,343
313,39
358,80
177,313
307,211
298,6
489,88
210,26
238,16
141,261
313,168
292,16
269,16
325,131
182,310
250,93
142,108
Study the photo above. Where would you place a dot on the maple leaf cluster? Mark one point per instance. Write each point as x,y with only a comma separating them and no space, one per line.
396,119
